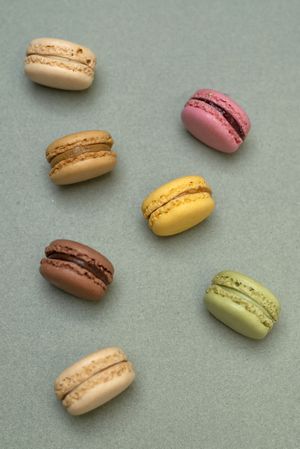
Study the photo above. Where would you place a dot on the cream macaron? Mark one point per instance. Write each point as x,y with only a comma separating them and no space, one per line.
178,205
60,64
94,380
80,156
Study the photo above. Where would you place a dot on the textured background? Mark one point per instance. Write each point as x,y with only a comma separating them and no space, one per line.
199,384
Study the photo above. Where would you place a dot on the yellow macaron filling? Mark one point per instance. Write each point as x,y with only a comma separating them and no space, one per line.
172,190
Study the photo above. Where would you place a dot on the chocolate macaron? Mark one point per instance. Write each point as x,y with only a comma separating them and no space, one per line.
77,269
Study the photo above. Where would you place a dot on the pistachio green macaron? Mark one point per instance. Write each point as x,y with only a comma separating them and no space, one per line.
242,303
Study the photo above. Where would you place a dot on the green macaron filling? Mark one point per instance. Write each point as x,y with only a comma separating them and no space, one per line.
216,291
251,290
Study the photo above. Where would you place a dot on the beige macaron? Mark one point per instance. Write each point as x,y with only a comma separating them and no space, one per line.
94,380
60,64
80,156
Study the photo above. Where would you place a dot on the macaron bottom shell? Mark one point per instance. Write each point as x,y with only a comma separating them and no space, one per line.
207,128
63,78
72,279
181,214
100,389
235,316
87,166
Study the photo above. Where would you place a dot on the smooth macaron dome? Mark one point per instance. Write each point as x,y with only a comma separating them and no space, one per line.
242,303
216,120
94,380
77,269
178,205
80,156
60,64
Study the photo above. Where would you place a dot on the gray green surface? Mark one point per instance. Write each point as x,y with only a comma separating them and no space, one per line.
199,384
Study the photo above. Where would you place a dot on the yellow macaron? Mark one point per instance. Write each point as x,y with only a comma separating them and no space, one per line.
178,205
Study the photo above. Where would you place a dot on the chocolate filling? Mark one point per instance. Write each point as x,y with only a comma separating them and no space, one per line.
230,119
98,272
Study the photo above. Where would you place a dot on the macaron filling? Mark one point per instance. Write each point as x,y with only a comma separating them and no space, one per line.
88,379
244,298
65,53
101,378
245,287
63,58
61,62
98,272
77,151
226,114
192,191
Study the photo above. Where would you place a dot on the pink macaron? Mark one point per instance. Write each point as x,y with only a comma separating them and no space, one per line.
216,120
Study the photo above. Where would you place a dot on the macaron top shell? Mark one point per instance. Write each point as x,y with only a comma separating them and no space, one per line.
84,252
172,190
63,49
84,138
256,292
226,102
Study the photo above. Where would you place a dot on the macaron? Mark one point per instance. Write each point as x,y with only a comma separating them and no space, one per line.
60,64
77,269
94,380
178,205
216,120
80,156
242,304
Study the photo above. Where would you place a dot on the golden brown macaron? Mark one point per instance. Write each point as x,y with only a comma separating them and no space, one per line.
80,156
60,64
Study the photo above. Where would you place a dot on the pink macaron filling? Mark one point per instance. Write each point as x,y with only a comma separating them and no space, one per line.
226,114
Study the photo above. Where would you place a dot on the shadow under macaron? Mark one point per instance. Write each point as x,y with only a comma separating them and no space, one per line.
100,186
200,148
59,99
103,414
69,304
200,231
223,334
